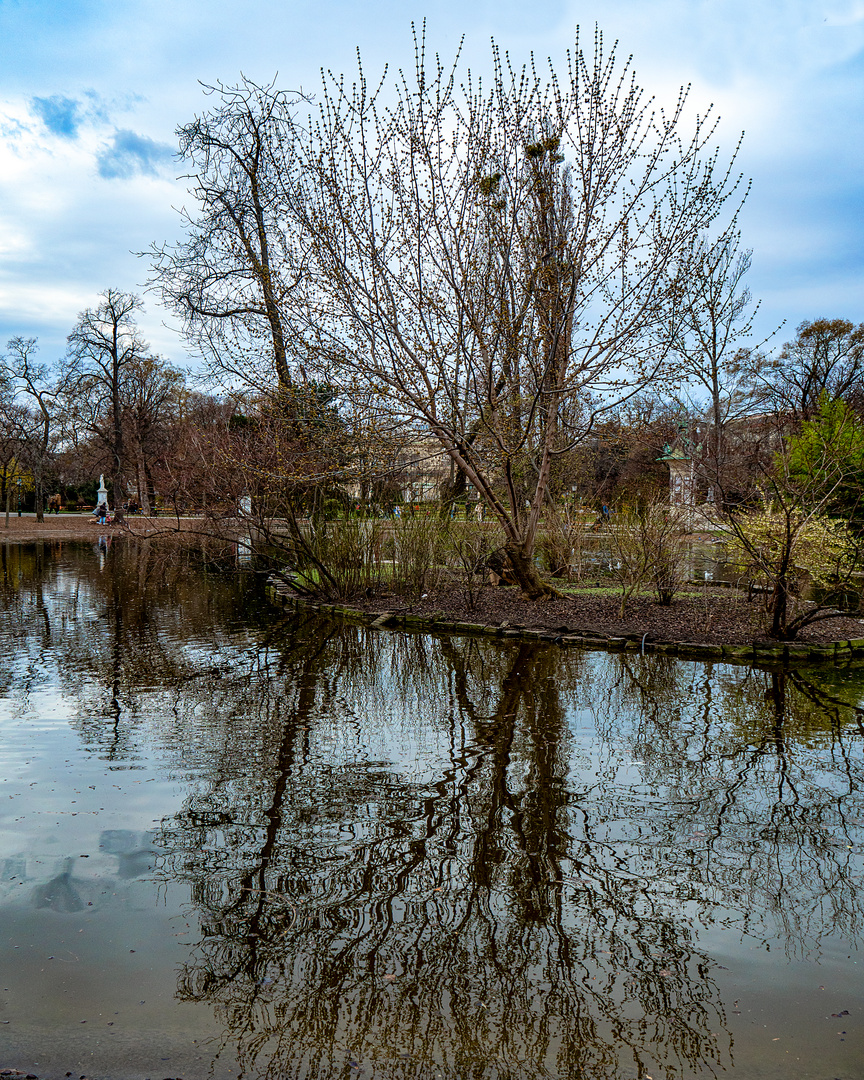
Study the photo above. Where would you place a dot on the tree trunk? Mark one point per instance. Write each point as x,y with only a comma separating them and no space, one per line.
521,560
117,488
151,490
118,449
452,491
779,605
455,488
143,497
39,472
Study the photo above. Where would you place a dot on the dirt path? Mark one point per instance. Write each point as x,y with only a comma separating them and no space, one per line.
85,527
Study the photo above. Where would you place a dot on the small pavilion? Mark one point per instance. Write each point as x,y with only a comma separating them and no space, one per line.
682,489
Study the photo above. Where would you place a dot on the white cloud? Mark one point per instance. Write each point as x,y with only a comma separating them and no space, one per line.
69,232
99,88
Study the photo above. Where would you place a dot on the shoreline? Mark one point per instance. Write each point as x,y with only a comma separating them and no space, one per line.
760,651
701,623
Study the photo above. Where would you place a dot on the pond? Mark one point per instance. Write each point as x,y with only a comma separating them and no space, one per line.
239,843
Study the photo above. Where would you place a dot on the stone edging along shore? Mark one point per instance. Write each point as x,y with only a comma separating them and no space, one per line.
767,653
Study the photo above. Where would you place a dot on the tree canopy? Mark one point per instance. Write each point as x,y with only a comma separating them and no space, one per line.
496,265
827,454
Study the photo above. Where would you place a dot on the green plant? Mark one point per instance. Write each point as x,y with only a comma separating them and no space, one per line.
784,548
827,456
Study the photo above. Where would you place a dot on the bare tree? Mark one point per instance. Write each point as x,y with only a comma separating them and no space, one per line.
151,394
191,471
11,426
826,357
712,335
497,266
229,279
33,424
103,349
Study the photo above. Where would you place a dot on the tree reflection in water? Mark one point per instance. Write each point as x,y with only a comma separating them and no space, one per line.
415,856
763,803
531,907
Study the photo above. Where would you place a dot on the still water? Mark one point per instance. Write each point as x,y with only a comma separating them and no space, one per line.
238,843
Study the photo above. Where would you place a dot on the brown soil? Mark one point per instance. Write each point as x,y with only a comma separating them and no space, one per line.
716,616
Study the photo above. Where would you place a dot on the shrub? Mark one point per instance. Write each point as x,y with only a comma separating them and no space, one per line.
650,547
561,547
341,560
418,552
467,548
815,548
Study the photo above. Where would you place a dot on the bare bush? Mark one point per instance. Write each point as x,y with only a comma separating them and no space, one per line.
340,560
467,549
650,546
562,544
418,552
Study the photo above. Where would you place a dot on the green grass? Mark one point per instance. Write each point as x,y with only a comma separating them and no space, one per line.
615,590
589,590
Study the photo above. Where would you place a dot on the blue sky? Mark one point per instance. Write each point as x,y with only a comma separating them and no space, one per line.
90,94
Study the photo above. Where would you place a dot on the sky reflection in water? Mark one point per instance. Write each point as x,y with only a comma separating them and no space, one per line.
235,842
